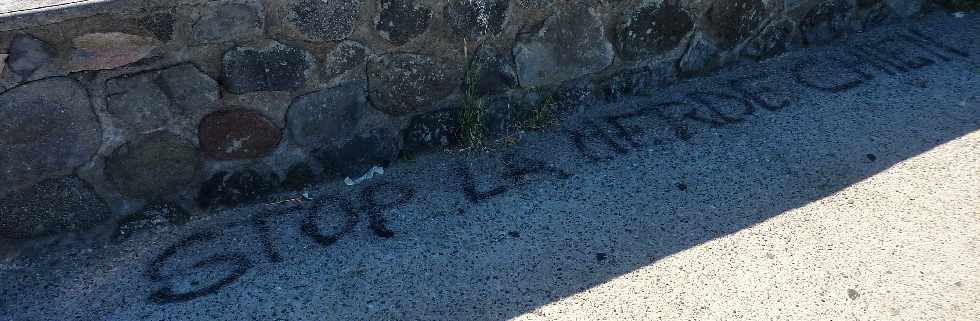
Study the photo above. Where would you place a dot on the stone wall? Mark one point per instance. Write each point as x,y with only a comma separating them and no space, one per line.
183,106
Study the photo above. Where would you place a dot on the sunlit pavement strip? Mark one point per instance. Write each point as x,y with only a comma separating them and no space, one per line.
856,199
901,245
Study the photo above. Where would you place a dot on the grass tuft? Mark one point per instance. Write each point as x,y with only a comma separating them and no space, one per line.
542,115
471,130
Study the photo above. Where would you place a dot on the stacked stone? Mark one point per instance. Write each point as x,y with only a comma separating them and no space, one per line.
193,104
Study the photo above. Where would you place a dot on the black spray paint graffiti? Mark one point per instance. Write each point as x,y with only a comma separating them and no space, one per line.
517,171
890,56
237,263
600,139
737,102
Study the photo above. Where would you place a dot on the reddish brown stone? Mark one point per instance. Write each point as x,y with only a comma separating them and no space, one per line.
238,134
97,51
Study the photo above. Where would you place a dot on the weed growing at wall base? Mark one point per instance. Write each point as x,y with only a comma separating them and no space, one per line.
471,129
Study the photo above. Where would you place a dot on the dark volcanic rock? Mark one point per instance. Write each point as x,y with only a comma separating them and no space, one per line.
431,130
731,22
358,155
318,20
637,82
872,12
138,104
228,21
535,4
476,18
327,115
226,189
495,72
773,40
571,43
349,57
48,129
155,165
27,55
505,114
188,88
701,55
161,25
398,21
146,101
151,216
908,8
238,134
276,67
401,84
826,21
652,30
52,206
298,177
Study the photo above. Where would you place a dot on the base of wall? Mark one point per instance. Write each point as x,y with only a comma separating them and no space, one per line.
186,106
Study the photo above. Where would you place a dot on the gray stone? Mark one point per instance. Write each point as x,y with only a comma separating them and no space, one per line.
327,115
138,104
356,156
637,81
731,22
402,83
826,21
432,130
228,21
48,129
476,18
906,8
871,13
495,72
226,189
147,101
570,44
701,55
652,30
398,21
52,206
505,115
275,67
27,55
569,96
299,177
774,39
161,25
348,59
535,4
868,4
189,89
155,165
109,50
322,20
153,216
